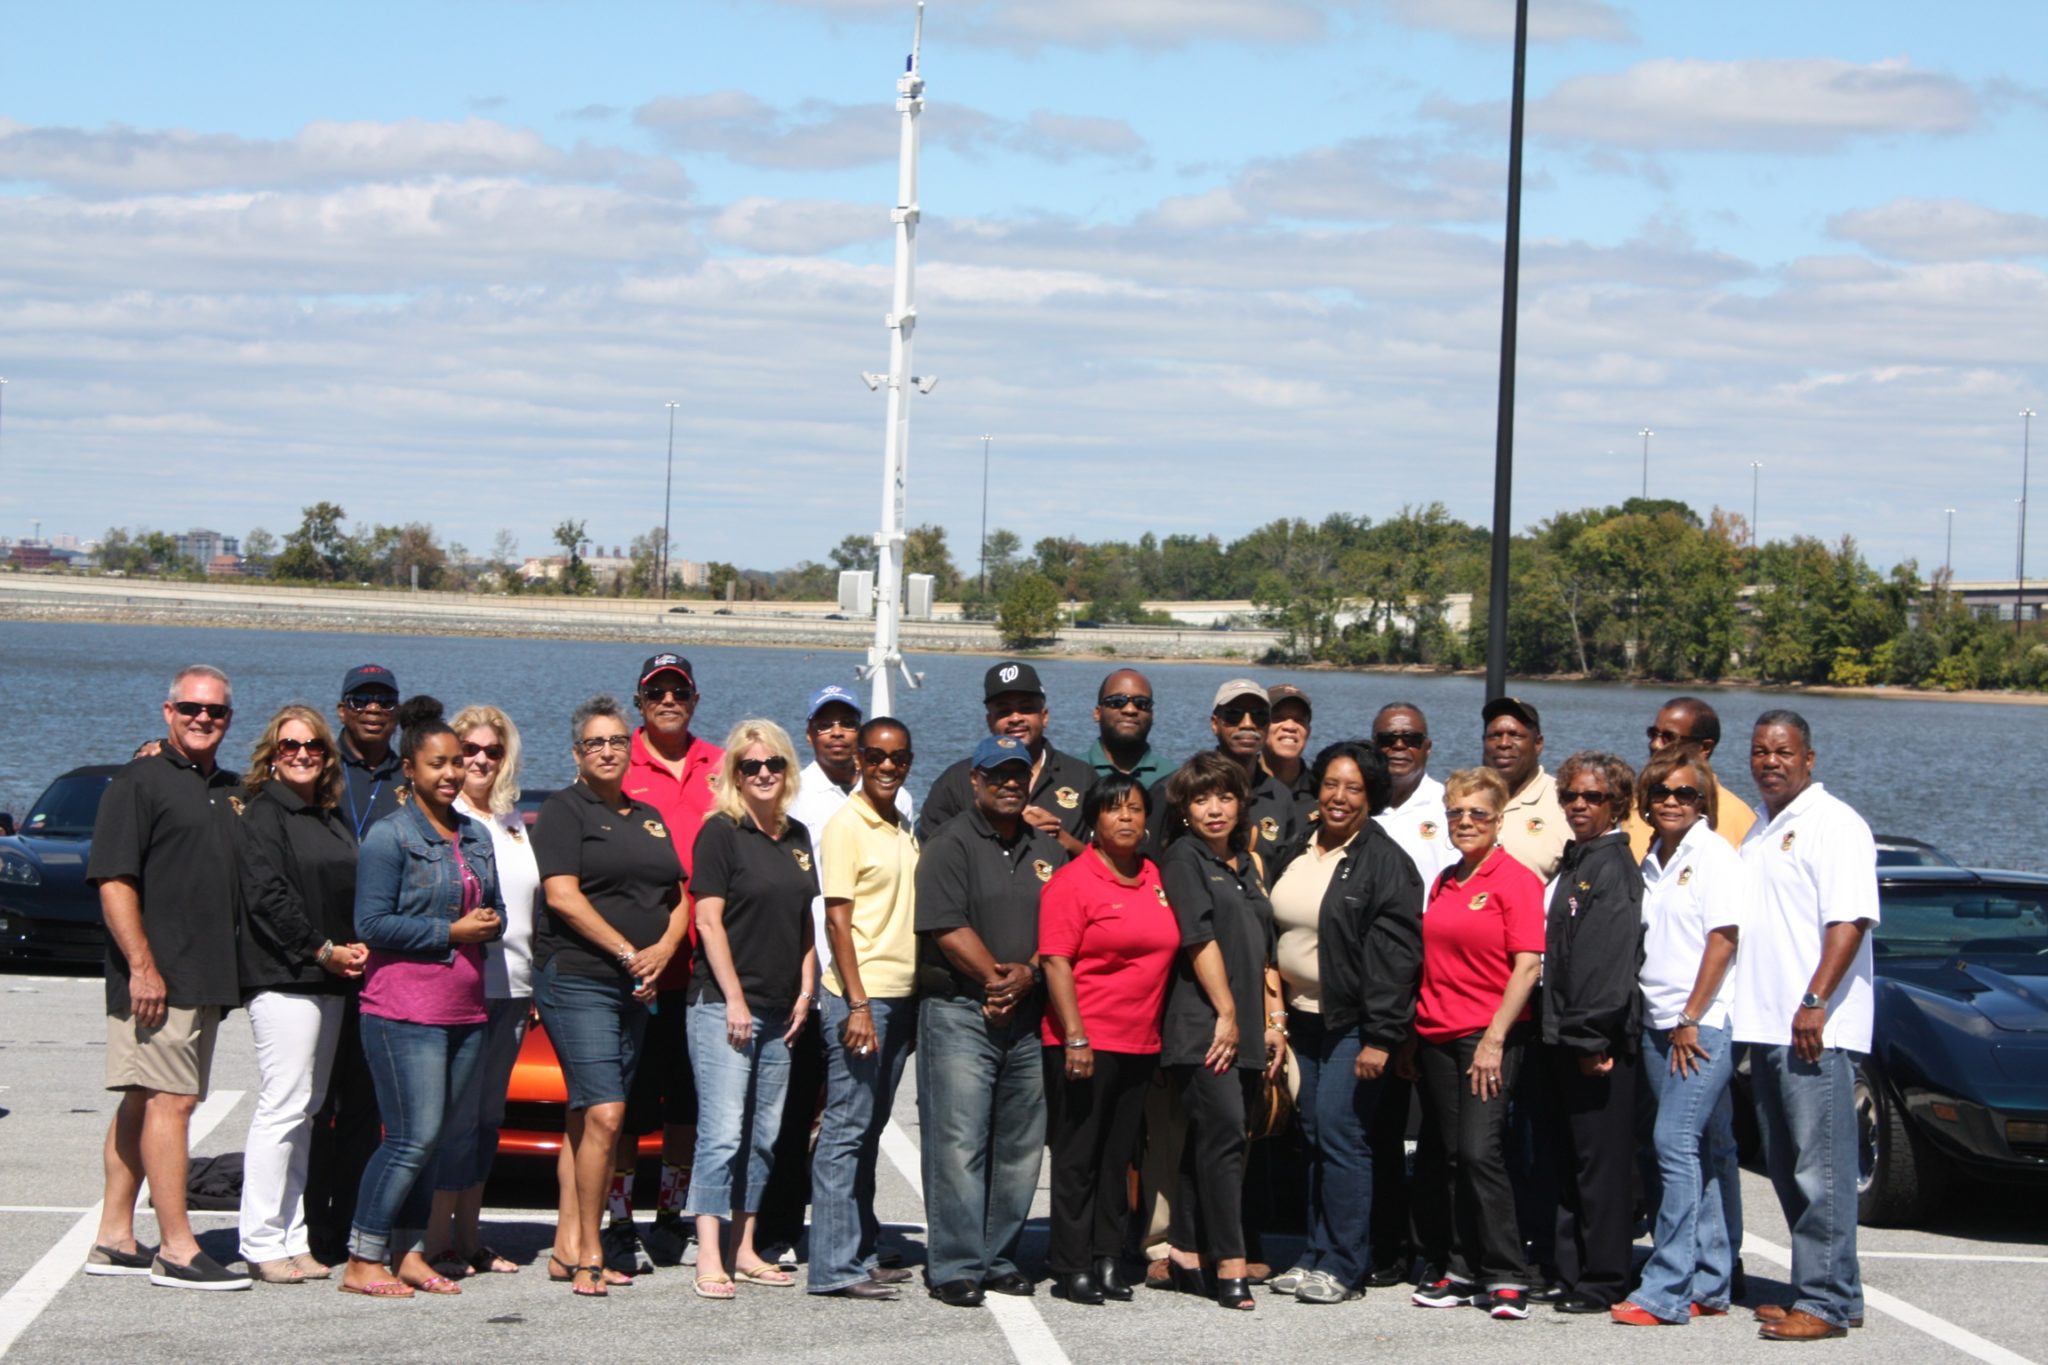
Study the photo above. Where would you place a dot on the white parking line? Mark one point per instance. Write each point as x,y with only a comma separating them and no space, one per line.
1031,1341
44,1208
26,1299
1941,1329
1949,1256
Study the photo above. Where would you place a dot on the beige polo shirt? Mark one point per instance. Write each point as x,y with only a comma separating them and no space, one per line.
873,863
1532,828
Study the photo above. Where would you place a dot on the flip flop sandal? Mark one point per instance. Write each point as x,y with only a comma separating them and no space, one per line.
553,1261
767,1274
715,1287
379,1289
485,1262
594,1290
438,1284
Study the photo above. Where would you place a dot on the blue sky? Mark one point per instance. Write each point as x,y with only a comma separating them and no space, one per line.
1194,264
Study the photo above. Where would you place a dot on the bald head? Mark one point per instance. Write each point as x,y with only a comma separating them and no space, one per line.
1123,711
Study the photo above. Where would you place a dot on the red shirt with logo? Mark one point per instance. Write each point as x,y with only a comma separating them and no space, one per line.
1121,940
1470,934
683,803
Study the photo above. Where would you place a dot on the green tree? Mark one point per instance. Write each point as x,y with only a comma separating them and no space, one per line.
259,547
576,578
1030,612
316,552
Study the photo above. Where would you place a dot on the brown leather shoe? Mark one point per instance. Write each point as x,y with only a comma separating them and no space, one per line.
1800,1326
1778,1312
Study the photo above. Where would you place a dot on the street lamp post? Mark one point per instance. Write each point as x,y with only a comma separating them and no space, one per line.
1754,478
668,484
1948,552
984,514
1646,434
2019,587
1504,415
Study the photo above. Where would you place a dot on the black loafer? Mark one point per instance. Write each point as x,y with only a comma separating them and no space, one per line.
1387,1276
1011,1283
1079,1288
957,1293
883,1274
1578,1303
864,1289
1109,1278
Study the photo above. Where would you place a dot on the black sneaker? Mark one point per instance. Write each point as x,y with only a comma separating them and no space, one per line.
666,1239
114,1261
623,1251
1508,1304
1443,1293
203,1272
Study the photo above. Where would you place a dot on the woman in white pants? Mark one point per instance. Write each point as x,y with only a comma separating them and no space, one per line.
298,963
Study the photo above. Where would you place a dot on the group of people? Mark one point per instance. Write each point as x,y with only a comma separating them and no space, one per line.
1105,962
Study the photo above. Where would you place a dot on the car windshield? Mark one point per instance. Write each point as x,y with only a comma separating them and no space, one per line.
66,807
1937,921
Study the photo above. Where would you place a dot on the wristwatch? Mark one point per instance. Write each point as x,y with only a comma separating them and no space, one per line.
1810,1001
1686,1021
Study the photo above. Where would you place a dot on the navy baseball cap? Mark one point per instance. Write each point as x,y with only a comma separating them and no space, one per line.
826,695
364,676
996,750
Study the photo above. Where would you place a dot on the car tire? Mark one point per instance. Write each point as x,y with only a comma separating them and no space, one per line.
1901,1176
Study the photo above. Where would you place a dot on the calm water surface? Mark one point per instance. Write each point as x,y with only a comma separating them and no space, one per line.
74,694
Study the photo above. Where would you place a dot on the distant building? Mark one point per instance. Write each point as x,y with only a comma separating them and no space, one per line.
203,547
694,573
29,557
227,566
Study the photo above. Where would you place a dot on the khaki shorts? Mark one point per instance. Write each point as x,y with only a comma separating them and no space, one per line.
176,1057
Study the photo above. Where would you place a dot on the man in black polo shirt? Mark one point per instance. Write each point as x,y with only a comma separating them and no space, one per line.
163,859
1013,701
1123,714
1287,756
980,1069
1240,717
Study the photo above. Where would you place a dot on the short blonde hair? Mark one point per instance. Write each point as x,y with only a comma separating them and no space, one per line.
505,787
726,786
1477,781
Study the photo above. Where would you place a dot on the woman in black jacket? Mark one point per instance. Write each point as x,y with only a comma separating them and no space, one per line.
298,962
1592,1031
1348,906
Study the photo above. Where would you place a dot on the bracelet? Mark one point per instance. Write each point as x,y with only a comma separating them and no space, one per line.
1277,1019
326,953
624,953
856,1008
1077,1042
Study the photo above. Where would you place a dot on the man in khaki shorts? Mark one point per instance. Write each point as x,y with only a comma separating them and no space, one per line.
163,858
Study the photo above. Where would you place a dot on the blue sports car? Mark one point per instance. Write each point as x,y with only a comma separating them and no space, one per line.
47,912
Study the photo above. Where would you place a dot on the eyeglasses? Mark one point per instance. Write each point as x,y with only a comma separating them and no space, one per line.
597,744
1689,796
493,752
659,693
1665,736
212,710
1478,815
875,758
1117,701
370,701
1237,715
1591,798
311,748
1399,739
774,763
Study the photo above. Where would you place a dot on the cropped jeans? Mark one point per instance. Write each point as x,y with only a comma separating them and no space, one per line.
1693,1261
740,1091
859,1093
421,1073
981,1120
1808,1114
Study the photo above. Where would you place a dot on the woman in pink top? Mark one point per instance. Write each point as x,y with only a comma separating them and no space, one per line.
427,901
1107,939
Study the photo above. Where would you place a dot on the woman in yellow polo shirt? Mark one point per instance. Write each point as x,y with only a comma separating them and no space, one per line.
869,859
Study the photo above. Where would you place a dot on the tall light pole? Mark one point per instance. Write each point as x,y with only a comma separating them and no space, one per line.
1646,434
2019,587
1754,477
1948,552
3,407
1504,415
984,514
667,488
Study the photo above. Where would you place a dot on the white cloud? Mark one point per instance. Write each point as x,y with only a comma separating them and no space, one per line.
1550,21
798,227
1943,230
1033,24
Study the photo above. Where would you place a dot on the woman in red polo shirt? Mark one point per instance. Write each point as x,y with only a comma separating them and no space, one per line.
1107,940
1482,949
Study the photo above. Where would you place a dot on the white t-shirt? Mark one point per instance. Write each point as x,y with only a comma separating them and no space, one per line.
1814,865
1419,827
1700,890
508,960
818,799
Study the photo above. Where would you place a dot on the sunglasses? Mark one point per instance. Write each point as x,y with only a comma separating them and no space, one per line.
597,744
311,748
1689,796
1237,715
1657,736
1399,739
493,752
835,723
1591,798
875,758
212,710
1117,701
1006,775
1476,814
774,763
370,701
660,693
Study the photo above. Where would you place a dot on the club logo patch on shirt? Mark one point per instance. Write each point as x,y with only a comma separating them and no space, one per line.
1269,830
1684,875
1585,886
655,827
1427,829
1162,894
1042,868
1535,825
235,804
1785,844
1068,798
1478,902
803,859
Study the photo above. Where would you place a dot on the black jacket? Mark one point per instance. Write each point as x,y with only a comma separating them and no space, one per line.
1369,944
1593,950
298,865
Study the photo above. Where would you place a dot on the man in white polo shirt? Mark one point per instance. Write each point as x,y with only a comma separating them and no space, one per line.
1414,814
1803,1003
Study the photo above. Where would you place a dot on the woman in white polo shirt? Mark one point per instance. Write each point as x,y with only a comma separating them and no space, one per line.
1692,898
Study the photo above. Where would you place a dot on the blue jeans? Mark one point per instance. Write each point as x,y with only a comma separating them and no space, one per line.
1336,1110
420,1071
471,1144
981,1115
1807,1111
1693,1260
739,1108
859,1092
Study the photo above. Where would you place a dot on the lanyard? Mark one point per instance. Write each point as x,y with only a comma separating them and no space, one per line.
361,821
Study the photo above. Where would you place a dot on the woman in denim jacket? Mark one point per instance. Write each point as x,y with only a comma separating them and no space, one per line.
427,900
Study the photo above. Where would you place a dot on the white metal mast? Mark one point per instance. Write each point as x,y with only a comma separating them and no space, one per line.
885,657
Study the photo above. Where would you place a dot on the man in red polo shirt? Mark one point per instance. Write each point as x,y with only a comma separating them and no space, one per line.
671,770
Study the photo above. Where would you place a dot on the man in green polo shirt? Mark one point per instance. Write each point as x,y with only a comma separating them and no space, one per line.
1123,715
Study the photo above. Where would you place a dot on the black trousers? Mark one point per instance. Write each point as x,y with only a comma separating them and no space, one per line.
1594,1147
781,1216
1208,1203
1476,1205
1093,1133
347,1130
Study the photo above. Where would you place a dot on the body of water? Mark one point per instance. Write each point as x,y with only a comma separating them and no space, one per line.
76,694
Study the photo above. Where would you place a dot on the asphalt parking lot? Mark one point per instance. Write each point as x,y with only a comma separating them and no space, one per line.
1964,1289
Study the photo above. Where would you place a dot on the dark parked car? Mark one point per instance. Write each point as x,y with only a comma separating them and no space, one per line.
1896,850
47,912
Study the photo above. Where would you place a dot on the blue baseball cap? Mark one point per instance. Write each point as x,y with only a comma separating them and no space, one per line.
828,694
996,750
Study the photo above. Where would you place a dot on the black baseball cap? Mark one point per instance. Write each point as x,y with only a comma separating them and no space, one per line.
368,676
668,663
1511,706
1011,676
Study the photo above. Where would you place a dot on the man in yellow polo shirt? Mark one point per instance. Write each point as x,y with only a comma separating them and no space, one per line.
1688,720
869,859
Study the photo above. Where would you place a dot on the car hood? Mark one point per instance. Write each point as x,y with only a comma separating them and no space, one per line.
60,863
2015,1001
